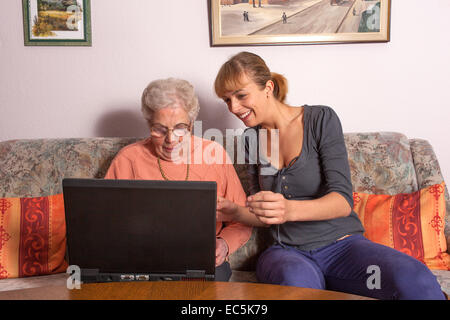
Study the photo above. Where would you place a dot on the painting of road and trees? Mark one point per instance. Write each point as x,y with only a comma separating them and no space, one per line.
284,17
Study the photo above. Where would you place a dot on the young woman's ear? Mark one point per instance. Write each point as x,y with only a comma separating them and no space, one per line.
269,87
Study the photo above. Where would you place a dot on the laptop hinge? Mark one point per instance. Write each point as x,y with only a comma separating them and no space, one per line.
199,274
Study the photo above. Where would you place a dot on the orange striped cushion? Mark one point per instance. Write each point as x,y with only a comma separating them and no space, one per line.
412,223
32,236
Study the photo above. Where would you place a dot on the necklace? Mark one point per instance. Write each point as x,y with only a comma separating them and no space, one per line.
164,175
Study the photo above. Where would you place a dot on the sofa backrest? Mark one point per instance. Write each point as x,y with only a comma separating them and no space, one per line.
380,163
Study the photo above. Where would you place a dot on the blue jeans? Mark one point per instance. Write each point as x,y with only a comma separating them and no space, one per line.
350,265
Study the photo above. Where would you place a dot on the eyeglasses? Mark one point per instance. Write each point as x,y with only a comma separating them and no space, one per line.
160,131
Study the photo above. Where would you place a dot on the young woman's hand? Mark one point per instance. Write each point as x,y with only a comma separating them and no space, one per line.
268,207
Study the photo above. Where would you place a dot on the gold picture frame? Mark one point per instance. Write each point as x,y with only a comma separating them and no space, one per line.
290,22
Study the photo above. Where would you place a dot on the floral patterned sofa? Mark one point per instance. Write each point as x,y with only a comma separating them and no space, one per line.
380,162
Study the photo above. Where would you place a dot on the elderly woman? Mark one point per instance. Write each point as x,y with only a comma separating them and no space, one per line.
170,107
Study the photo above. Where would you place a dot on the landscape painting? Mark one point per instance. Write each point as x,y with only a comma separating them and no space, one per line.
247,22
57,22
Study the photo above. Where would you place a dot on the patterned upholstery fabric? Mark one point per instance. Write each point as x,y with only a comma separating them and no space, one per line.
33,168
380,162
412,223
429,173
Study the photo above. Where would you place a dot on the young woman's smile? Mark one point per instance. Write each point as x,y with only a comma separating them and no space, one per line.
245,102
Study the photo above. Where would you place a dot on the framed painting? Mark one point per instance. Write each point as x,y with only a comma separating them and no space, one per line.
283,22
57,22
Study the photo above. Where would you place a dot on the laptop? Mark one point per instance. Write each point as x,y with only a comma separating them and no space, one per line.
141,230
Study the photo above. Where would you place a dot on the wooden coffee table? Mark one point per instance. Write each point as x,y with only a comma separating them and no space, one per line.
176,290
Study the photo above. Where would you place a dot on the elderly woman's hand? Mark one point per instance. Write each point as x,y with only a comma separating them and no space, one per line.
221,251
226,209
268,207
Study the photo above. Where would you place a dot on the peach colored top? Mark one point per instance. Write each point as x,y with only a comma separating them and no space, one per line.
138,161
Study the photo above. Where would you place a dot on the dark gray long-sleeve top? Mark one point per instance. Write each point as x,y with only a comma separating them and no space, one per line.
322,167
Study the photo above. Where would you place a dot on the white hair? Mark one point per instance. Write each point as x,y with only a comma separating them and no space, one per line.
163,93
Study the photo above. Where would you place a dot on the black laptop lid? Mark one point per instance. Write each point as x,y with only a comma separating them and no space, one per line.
137,226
